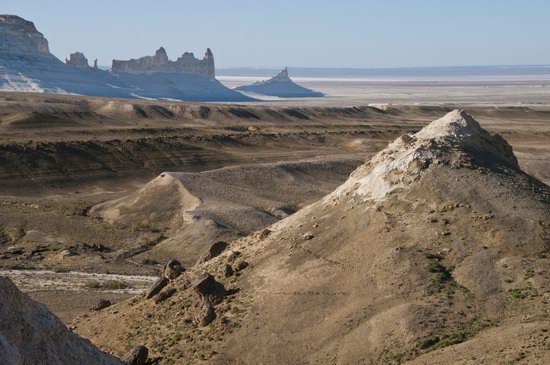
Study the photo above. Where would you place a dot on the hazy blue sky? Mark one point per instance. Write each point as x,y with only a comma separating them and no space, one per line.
316,33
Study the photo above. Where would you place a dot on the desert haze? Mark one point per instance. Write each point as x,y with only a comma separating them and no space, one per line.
170,211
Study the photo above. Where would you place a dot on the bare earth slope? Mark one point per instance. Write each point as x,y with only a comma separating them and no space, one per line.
435,250
195,210
29,334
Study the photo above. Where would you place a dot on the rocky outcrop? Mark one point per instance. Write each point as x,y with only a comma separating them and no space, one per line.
26,65
279,85
30,334
172,269
20,36
77,59
137,356
209,289
215,250
160,62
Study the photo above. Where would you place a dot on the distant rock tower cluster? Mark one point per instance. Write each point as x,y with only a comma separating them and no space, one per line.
160,62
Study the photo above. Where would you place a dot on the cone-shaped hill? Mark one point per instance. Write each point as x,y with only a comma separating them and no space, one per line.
435,251
280,85
194,210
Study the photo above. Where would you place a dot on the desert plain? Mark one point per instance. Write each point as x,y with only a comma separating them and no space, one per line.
97,194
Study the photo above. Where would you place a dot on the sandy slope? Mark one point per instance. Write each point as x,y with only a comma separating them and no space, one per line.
439,242
195,210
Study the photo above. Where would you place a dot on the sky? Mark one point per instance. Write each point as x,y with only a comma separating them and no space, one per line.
299,33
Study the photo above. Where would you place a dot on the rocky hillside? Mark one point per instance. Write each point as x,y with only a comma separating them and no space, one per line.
280,85
29,334
435,251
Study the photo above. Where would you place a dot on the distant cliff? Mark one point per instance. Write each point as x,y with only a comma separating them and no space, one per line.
279,85
160,62
19,36
26,65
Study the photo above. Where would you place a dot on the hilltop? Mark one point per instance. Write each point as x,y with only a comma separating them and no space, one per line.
435,250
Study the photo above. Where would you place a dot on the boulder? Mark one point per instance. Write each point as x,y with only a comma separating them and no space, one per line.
172,269
215,250
163,295
264,234
228,270
241,265
209,289
205,315
156,287
136,356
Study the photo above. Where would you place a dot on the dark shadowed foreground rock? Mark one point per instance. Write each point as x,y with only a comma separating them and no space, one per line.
137,356
31,335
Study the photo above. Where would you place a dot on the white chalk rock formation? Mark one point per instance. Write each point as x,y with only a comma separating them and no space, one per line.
26,65
30,334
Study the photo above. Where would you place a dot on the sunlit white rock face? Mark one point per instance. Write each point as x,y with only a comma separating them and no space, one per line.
405,159
30,334
26,65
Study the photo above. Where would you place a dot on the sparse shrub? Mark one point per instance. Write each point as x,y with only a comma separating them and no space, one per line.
442,274
428,342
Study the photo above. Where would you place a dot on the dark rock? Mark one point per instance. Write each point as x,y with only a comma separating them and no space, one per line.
209,289
264,233
241,265
136,356
228,271
39,249
99,247
205,315
102,304
16,250
233,256
172,269
4,238
215,250
163,295
156,287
